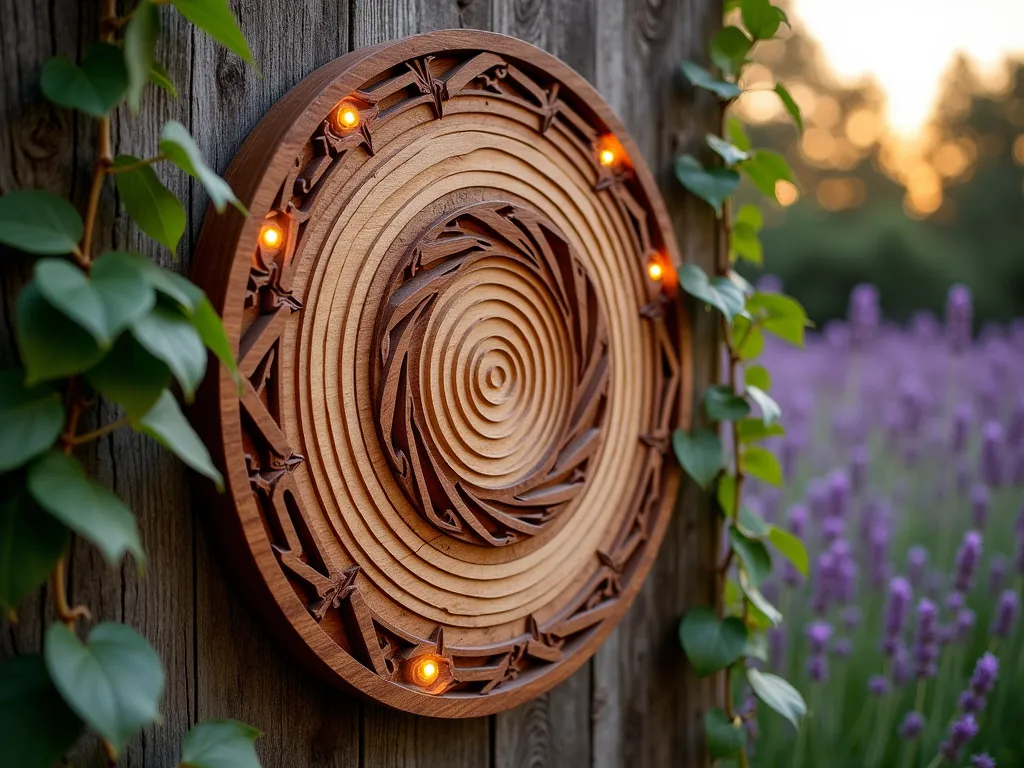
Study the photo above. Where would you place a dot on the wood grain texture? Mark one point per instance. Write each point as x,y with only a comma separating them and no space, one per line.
219,661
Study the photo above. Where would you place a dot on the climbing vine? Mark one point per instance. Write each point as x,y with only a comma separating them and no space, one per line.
92,324
726,639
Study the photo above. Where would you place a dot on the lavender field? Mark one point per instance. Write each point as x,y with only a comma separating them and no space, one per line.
904,464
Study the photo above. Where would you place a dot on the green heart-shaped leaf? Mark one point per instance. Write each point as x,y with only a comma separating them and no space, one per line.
179,147
114,681
761,463
32,543
791,106
220,744
711,644
790,547
761,18
94,88
701,78
730,153
719,292
729,49
757,376
699,453
753,555
214,17
169,336
31,419
67,288
211,330
752,525
61,487
722,404
766,169
770,410
39,222
36,726
51,345
726,494
139,48
765,614
752,430
724,737
130,376
736,134
166,424
120,280
150,204
778,694
748,338
712,185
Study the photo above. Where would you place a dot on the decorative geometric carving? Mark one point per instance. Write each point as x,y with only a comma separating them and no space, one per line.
448,464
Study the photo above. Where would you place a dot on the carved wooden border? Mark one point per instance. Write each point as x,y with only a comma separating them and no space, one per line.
334,592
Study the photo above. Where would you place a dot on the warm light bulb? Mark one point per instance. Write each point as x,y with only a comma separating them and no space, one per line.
270,235
655,270
347,116
607,157
425,672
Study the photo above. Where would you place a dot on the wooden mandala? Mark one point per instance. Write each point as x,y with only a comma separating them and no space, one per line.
448,468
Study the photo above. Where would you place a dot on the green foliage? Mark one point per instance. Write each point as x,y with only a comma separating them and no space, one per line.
791,107
790,547
761,463
724,737
114,681
766,168
778,694
753,555
701,78
770,411
700,454
730,153
761,18
752,525
722,404
710,644
720,292
117,325
712,185
729,49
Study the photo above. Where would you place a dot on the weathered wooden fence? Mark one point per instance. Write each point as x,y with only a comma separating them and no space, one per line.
635,703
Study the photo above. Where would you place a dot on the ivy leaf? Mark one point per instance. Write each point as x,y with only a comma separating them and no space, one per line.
119,279
757,646
765,169
770,411
769,612
169,336
729,49
725,738
39,222
711,644
220,744
752,525
726,493
748,338
758,376
31,419
51,345
761,18
180,148
762,464
94,88
139,48
780,315
67,288
114,681
166,424
36,726
791,106
32,543
790,547
752,430
61,487
150,204
722,404
159,77
750,215
720,292
730,153
699,453
778,694
753,554
712,185
701,78
178,289
130,376
214,17
736,134
211,331
745,244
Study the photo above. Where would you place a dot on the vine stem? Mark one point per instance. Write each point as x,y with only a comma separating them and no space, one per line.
111,171
86,437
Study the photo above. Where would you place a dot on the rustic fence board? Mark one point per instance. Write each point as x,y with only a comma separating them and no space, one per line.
635,703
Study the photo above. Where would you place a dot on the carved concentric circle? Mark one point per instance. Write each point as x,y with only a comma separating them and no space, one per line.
447,469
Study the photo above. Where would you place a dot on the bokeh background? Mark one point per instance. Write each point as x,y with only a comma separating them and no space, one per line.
911,168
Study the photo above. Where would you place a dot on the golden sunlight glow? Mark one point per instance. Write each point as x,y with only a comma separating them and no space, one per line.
1018,149
863,128
951,160
786,193
270,235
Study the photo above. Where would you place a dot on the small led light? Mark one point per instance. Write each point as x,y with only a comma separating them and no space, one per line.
270,235
346,116
607,157
655,270
425,671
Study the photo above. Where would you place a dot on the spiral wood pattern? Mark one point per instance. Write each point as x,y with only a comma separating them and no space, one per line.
449,459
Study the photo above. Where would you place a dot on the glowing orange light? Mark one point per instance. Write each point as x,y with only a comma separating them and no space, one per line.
607,157
655,270
425,672
347,116
270,235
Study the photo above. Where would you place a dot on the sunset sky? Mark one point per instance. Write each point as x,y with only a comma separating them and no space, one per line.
907,45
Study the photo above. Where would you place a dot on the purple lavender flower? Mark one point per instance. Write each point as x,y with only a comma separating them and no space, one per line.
900,595
990,467
833,529
998,569
967,557
926,645
962,416
878,553
962,478
1020,544
838,494
1006,614
983,679
878,685
980,505
817,668
961,731
1015,428
859,469
912,725
959,316
965,621
842,647
818,635
851,617
864,314
902,668
983,760
917,561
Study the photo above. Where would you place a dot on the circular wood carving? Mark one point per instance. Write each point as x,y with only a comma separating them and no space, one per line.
448,467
